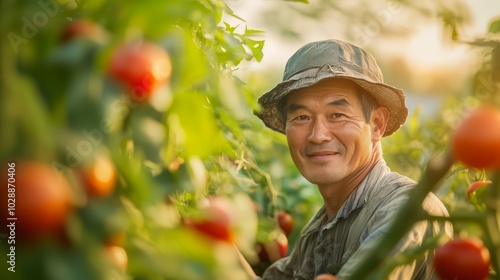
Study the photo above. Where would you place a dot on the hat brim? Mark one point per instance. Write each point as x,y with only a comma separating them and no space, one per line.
386,96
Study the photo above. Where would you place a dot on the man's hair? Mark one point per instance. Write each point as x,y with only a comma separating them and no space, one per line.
368,103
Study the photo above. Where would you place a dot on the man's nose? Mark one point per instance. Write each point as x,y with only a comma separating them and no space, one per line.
320,132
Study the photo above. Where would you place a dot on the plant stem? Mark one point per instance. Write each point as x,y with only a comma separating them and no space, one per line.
493,220
466,216
410,213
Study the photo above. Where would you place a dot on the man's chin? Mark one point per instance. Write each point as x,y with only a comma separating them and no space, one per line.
321,179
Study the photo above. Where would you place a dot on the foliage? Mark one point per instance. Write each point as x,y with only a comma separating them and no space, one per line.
191,140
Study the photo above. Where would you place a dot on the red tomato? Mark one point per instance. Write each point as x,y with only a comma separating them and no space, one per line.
476,140
216,220
41,201
285,222
325,277
213,229
99,177
462,259
83,28
476,186
141,67
273,250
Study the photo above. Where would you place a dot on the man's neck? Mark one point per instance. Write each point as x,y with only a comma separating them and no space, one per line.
335,195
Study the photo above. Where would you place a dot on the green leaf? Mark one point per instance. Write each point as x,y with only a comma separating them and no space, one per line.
256,47
494,26
229,28
251,32
201,137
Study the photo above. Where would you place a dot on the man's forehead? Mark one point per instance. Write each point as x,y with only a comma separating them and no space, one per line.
329,84
334,90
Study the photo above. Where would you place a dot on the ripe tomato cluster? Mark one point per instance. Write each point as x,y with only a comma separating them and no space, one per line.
277,247
216,222
475,142
44,196
44,201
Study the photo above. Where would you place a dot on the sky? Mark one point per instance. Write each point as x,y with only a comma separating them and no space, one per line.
424,49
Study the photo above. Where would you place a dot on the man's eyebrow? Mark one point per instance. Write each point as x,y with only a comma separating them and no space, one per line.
340,102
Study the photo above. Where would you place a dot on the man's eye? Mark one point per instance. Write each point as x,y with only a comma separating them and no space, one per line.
302,118
337,115
299,118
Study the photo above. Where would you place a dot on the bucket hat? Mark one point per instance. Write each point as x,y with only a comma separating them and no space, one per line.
333,58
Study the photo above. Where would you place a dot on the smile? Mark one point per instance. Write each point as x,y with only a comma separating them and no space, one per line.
321,154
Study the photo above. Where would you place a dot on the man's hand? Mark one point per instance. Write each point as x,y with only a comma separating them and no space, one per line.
326,277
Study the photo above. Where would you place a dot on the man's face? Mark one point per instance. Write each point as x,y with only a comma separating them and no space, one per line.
327,134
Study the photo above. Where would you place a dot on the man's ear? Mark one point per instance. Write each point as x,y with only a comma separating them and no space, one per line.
378,122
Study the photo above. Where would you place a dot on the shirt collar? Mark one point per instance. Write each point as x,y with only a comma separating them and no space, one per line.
358,197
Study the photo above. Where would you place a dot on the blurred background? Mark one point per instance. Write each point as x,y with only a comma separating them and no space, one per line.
129,145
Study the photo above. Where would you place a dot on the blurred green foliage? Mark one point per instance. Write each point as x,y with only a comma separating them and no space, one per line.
59,106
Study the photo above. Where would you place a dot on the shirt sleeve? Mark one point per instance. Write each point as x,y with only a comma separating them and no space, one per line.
280,270
378,226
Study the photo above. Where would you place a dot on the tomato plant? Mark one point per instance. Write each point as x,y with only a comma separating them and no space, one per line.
477,193
462,259
476,140
58,104
285,222
42,200
476,186
142,67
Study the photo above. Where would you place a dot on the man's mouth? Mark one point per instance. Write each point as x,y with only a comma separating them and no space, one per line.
317,154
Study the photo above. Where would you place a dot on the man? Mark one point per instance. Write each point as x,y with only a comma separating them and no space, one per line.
334,109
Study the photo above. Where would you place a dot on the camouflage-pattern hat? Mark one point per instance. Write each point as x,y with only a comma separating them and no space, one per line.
321,60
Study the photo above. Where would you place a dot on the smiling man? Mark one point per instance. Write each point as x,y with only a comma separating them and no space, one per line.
334,108
331,141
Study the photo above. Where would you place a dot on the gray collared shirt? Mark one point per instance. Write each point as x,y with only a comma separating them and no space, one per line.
365,216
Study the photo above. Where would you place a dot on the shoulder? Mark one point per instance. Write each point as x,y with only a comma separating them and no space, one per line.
382,181
391,187
398,187
433,205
